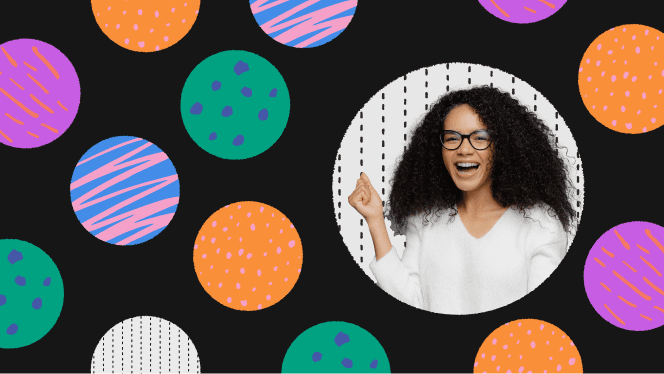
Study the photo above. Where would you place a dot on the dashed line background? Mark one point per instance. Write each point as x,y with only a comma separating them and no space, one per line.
145,345
378,134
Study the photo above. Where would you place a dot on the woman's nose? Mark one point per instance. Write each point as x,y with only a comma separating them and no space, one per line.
465,146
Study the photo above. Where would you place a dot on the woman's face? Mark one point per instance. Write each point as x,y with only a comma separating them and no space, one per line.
464,120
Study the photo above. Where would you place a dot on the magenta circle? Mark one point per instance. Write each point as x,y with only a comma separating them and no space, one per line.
40,93
608,271
521,11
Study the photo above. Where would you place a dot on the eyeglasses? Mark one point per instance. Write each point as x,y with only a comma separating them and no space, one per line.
478,139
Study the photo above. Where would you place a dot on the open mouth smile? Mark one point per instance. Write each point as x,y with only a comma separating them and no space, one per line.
467,168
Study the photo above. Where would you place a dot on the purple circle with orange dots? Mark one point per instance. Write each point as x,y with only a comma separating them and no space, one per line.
623,276
522,11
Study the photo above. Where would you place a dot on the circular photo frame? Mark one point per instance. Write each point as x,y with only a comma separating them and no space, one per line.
379,135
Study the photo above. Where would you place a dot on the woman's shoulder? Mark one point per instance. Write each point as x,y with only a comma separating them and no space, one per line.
429,217
540,217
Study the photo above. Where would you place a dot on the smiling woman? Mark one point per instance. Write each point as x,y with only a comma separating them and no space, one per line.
479,154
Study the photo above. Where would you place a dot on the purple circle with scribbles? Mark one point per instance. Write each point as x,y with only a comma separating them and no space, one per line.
623,276
39,93
522,11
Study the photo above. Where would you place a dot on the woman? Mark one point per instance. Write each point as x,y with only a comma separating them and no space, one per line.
482,156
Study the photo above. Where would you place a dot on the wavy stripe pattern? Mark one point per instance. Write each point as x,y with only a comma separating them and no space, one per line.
303,23
125,190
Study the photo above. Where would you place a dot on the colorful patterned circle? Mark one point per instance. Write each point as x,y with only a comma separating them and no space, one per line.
621,78
145,344
522,11
623,276
235,105
303,23
528,346
125,190
31,293
40,93
335,347
145,25
248,256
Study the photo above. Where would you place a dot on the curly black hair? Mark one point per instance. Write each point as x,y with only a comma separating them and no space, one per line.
527,166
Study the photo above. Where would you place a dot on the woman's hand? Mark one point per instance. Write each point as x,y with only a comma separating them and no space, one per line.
366,201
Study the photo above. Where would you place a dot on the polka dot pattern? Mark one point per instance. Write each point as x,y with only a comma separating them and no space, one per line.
31,293
335,347
228,106
145,26
544,348
248,282
621,78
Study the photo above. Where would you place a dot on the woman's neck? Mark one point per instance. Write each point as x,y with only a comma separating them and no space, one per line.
479,201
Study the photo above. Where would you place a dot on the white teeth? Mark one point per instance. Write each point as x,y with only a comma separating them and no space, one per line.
467,164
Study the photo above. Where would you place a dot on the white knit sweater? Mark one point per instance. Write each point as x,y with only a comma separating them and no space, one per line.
446,270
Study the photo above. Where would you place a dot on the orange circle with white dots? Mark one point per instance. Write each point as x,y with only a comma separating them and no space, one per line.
528,346
248,256
621,78
145,25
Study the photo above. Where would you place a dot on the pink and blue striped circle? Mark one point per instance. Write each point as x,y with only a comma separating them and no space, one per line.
303,23
125,190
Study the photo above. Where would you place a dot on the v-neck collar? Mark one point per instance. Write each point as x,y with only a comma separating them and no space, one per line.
492,229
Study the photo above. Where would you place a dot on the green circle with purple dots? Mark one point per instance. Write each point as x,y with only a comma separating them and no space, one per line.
31,293
335,347
235,105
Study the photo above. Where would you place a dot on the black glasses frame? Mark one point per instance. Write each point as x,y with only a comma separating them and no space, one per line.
464,137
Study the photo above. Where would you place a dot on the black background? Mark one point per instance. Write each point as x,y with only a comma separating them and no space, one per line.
138,94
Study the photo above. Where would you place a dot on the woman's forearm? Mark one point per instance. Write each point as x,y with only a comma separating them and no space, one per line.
381,239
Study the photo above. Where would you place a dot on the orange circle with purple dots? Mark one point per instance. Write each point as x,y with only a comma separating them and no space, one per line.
248,256
621,79
145,25
528,346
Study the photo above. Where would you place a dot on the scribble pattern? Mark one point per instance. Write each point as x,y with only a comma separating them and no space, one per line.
303,23
623,276
39,93
125,190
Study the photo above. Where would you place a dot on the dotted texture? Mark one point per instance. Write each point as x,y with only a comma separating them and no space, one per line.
621,79
522,11
248,256
379,133
31,293
235,105
145,25
145,345
39,93
623,276
124,190
335,347
303,23
528,346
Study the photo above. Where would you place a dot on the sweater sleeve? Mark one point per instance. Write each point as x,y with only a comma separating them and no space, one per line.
547,247
400,277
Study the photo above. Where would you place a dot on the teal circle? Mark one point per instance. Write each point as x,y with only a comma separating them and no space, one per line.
214,85
29,320
315,351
